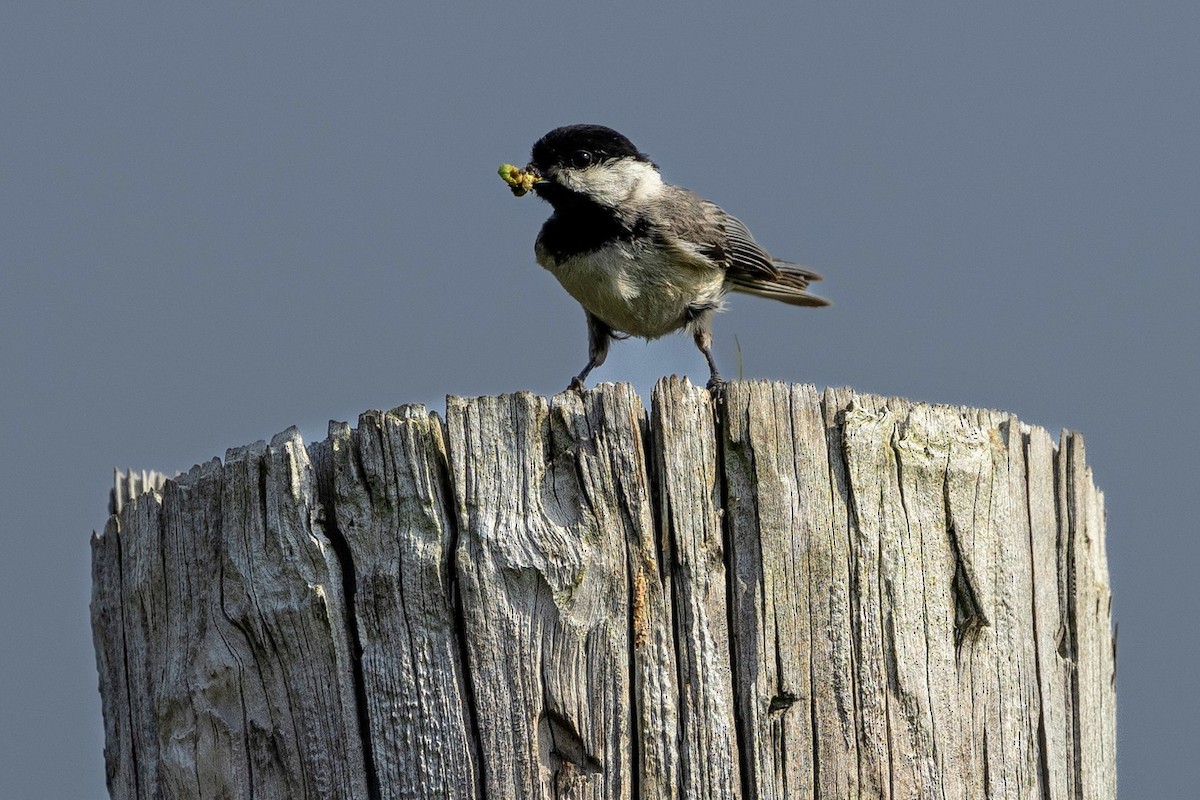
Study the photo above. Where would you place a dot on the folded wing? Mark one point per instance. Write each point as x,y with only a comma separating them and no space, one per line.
752,270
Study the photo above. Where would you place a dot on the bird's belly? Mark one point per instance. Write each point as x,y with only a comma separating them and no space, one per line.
643,294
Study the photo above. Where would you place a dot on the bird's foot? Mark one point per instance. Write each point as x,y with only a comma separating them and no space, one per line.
716,385
577,385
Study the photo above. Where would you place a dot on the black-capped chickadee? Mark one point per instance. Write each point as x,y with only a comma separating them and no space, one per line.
641,256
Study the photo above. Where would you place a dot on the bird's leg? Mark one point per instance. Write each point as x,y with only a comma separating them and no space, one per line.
576,384
715,382
599,334
700,322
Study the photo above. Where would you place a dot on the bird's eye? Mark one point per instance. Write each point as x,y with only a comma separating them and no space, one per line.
581,159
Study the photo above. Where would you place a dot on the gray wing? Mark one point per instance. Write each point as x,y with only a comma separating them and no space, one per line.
746,255
752,270
708,231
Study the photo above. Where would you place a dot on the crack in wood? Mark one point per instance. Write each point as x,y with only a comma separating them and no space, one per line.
969,616
782,702
323,465
561,744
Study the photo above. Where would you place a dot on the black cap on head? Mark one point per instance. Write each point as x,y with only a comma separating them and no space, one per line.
560,145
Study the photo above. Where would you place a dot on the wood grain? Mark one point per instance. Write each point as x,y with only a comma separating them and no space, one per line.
788,594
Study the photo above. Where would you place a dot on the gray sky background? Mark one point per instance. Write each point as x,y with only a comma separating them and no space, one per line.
220,220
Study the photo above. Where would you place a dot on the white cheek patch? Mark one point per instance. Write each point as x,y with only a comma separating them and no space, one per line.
613,183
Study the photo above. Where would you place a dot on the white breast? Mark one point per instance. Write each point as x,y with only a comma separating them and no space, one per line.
641,292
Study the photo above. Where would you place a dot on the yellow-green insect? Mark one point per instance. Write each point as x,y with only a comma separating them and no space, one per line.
519,180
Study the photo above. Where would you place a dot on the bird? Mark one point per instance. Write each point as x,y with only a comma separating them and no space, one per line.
643,257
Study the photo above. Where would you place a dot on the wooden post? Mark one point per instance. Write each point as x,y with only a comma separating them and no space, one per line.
794,595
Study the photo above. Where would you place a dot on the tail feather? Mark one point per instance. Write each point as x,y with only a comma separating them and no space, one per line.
788,285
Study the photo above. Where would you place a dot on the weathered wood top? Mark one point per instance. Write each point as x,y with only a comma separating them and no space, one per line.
795,595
